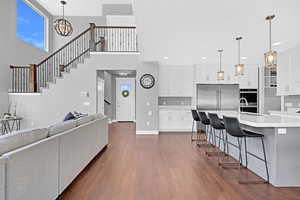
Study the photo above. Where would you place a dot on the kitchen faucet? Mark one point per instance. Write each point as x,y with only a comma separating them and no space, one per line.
245,100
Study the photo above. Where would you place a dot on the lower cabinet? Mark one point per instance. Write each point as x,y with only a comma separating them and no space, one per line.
178,120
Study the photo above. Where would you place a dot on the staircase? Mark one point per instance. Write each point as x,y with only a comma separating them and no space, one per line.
33,78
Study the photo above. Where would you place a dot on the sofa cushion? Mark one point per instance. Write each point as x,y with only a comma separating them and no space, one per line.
61,127
86,119
21,138
99,116
69,116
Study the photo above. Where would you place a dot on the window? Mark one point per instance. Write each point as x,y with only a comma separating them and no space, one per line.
31,25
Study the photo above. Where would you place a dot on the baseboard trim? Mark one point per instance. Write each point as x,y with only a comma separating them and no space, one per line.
152,132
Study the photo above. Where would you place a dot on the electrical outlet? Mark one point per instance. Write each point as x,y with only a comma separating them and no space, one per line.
282,131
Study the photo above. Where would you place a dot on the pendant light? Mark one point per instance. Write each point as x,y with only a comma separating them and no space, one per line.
239,68
220,73
270,56
62,26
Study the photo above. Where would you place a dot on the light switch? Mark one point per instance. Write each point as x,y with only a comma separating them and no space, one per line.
282,131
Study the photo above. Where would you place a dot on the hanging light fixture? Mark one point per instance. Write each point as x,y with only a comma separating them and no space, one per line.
62,26
239,68
220,73
270,56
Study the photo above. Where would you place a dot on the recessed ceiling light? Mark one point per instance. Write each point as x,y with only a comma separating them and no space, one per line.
244,58
276,43
203,58
166,57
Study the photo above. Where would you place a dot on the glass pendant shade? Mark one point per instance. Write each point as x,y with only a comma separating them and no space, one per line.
271,59
239,69
220,75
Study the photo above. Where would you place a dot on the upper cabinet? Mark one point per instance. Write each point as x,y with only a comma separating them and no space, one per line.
250,78
288,70
207,74
176,81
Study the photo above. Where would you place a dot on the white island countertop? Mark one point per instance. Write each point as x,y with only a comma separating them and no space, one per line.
262,121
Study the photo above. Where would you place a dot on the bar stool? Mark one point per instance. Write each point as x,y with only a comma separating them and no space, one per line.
233,128
217,127
206,122
196,119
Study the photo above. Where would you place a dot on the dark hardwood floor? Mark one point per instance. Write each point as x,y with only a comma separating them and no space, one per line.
164,167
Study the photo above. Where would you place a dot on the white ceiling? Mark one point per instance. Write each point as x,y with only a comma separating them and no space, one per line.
185,31
79,7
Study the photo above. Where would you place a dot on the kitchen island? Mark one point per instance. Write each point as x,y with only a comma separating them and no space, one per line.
282,141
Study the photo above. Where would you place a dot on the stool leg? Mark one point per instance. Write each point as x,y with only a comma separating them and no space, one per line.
192,131
240,151
265,159
246,152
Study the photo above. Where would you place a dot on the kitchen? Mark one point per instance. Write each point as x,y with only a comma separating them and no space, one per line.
265,100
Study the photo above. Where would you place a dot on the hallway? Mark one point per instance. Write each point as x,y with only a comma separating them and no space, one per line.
160,168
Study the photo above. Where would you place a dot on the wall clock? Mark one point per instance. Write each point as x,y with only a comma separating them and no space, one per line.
147,81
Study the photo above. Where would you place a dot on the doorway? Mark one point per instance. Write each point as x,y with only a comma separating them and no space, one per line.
125,99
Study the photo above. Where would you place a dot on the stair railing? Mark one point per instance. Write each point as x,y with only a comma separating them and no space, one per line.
29,79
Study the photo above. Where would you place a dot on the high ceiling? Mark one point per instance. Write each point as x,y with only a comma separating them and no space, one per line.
79,7
186,31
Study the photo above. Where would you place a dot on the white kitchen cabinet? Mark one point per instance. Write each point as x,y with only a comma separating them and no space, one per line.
250,78
207,74
176,81
288,70
175,119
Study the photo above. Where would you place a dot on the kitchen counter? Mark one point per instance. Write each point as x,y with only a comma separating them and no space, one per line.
175,107
263,121
282,142
284,113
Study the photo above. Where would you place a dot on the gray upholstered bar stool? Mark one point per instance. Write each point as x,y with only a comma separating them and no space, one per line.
233,128
206,122
196,119
217,127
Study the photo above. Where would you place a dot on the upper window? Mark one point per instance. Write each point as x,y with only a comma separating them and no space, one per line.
31,25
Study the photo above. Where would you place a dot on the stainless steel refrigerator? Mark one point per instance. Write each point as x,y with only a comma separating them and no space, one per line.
218,97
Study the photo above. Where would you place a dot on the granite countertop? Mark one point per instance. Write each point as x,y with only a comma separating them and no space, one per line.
177,107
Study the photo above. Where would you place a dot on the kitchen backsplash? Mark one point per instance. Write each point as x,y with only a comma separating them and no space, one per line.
174,101
292,101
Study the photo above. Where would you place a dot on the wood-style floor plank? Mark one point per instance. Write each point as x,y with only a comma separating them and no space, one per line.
164,167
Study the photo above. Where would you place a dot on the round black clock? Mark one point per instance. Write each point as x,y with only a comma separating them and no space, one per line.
147,81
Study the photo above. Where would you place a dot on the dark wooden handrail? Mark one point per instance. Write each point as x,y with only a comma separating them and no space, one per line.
19,67
87,30
124,27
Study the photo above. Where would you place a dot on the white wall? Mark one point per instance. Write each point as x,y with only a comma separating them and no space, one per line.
67,94
147,100
14,51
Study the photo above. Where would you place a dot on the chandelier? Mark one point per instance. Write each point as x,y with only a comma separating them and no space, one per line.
270,56
239,68
62,26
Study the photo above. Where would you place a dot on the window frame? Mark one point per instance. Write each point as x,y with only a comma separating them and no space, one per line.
46,24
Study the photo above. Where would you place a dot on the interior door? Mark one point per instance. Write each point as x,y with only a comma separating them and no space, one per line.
100,95
125,99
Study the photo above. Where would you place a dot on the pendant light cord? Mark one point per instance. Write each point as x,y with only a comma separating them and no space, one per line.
239,53
270,34
220,60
